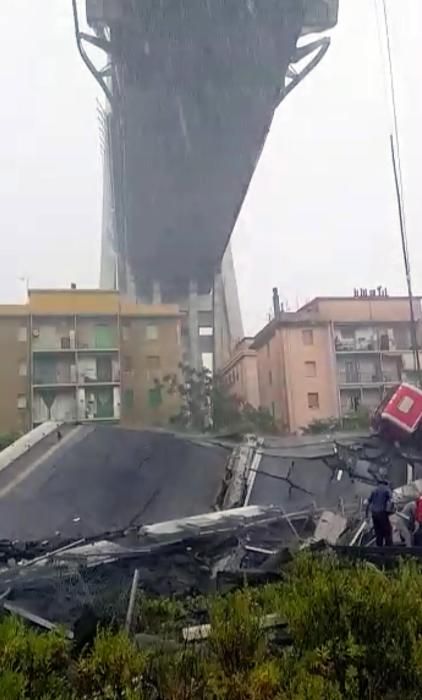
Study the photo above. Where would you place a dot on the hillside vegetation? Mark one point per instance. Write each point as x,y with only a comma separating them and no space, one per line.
355,632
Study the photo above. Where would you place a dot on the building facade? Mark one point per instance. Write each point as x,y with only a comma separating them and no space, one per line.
372,343
87,355
240,373
295,362
334,356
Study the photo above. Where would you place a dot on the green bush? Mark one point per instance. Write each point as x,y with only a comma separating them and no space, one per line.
183,675
357,626
40,659
6,439
12,685
356,631
113,668
160,615
236,638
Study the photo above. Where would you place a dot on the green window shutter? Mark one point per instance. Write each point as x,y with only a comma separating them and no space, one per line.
154,397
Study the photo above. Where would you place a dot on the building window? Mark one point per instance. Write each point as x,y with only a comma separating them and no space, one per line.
153,362
128,399
268,349
308,337
22,334
154,396
313,400
205,330
22,369
273,409
270,378
310,369
152,332
21,403
127,363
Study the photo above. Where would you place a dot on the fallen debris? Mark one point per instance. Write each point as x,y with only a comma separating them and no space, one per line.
318,494
198,633
35,619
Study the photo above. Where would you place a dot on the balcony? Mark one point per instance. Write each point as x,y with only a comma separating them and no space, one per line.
361,378
98,370
96,337
54,384
98,381
346,347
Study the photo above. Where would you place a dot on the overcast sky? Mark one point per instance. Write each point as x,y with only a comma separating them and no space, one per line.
320,216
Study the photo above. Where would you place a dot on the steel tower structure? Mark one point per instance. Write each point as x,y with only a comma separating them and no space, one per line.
191,89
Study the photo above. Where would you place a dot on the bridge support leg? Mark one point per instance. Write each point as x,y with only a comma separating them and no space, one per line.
193,326
156,292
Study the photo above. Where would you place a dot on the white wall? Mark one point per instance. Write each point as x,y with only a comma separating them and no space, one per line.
81,404
116,402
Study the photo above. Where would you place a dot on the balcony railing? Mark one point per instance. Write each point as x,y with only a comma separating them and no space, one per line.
113,378
366,378
373,346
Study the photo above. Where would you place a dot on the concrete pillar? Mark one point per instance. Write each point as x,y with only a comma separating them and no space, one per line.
156,292
195,359
220,322
130,284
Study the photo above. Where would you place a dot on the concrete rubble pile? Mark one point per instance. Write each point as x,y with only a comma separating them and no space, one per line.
277,496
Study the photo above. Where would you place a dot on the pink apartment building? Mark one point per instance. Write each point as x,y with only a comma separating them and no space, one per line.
331,357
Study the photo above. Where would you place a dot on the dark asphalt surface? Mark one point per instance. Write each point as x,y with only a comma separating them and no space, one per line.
310,481
106,478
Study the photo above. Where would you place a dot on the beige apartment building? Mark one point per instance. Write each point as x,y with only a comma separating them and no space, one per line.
86,355
333,356
241,373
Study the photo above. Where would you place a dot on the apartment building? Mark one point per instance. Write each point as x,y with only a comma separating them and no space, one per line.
373,346
86,355
334,356
240,373
295,361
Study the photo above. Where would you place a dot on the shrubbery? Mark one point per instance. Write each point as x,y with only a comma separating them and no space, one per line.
6,439
356,633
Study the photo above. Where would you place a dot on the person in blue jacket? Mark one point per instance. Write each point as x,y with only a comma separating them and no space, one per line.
380,505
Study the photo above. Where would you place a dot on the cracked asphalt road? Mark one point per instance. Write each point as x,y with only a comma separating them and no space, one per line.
298,486
110,477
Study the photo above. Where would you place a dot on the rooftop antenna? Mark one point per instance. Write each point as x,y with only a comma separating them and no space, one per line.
398,181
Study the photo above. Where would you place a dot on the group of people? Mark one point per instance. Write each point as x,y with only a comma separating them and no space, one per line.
380,505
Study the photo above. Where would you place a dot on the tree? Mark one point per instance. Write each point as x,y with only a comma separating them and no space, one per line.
206,404
195,391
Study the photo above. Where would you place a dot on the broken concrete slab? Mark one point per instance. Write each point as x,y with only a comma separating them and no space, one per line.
109,479
330,527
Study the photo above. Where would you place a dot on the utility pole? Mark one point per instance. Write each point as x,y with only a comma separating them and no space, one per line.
405,251
398,181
